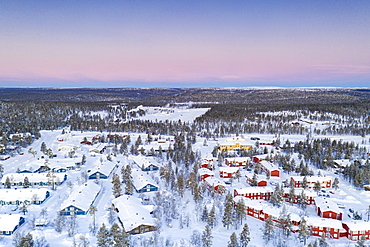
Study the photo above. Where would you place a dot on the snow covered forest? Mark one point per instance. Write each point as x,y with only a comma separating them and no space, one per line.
185,167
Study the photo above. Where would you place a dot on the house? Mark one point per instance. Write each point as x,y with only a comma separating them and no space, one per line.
328,209
101,170
356,229
80,200
270,168
39,179
228,172
143,182
235,144
237,161
297,181
264,142
143,163
309,194
215,184
331,228
135,217
204,173
207,163
255,193
20,196
9,223
260,180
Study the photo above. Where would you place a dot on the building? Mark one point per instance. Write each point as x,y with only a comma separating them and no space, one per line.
215,184
80,200
260,180
101,170
328,209
270,168
135,217
35,179
143,182
331,228
143,163
235,144
204,173
255,193
207,163
21,196
9,223
297,181
356,229
237,161
309,194
228,172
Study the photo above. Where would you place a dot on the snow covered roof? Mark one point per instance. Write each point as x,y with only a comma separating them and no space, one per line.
238,159
325,204
141,161
358,225
203,171
9,221
323,222
140,179
298,191
254,189
82,197
312,179
32,177
104,168
229,169
132,213
214,181
344,162
259,176
22,194
269,165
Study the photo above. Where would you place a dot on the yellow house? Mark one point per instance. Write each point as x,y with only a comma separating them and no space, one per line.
235,144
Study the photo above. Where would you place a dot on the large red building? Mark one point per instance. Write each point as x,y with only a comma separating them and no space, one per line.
297,181
356,229
255,193
328,209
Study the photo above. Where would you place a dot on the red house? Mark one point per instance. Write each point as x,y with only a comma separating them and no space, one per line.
204,173
328,209
356,229
237,161
214,184
254,193
207,163
228,172
297,181
310,196
331,228
261,179
270,168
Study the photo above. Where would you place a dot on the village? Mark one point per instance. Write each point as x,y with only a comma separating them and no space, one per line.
70,174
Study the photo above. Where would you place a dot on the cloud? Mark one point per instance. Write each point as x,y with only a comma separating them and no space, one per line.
344,69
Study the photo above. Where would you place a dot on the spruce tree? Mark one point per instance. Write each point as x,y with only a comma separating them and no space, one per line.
303,231
104,237
116,189
268,230
204,216
245,237
240,211
233,241
212,217
120,237
207,236
335,184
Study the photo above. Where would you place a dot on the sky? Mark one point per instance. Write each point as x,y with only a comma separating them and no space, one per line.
209,43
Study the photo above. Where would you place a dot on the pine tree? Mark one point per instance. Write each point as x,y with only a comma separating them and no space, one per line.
245,237
227,218
303,231
268,230
207,236
104,237
204,216
276,198
7,183
129,188
120,237
26,182
317,186
92,212
240,211
304,182
116,189
302,200
83,159
43,147
335,184
233,241
322,241
291,195
26,241
212,217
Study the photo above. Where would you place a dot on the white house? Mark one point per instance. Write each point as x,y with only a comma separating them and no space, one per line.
143,163
20,196
9,223
142,181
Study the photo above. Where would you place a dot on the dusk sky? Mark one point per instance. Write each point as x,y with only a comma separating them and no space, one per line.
184,43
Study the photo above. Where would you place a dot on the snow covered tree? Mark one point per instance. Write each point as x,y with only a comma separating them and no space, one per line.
207,237
59,223
268,230
43,147
291,195
322,241
26,182
254,180
302,200
104,237
285,222
304,182
303,231
317,186
129,188
228,216
335,184
92,212
204,216
32,151
8,184
197,195
196,238
83,159
49,153
212,220
233,241
276,198
116,189
25,241
120,237
72,225
240,211
245,237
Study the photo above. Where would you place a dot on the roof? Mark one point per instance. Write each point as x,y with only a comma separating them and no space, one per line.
141,161
202,171
214,181
298,191
254,190
140,179
229,169
105,168
323,222
358,225
82,197
269,165
259,176
312,179
132,213
326,204
22,194
9,221
32,177
238,159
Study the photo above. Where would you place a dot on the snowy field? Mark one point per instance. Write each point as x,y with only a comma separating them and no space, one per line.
63,144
